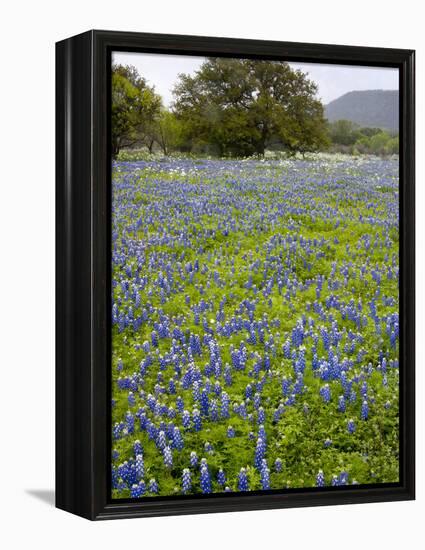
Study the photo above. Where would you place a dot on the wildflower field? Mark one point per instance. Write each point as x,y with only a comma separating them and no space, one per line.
255,325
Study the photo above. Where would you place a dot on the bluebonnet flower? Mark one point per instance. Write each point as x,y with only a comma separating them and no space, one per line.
327,442
152,430
286,386
138,490
196,393
299,384
197,423
177,439
278,413
365,410
129,418
225,405
343,478
186,480
286,348
261,415
208,447
193,459
221,478
214,410
341,404
131,399
180,404
124,383
278,465
204,400
228,375
252,338
243,480
351,427
257,400
260,451
140,467
262,433
123,471
195,344
151,401
325,393
217,387
320,479
162,441
137,448
154,339
205,480
143,420
265,476
168,457
153,486
242,410
186,419
230,432
115,480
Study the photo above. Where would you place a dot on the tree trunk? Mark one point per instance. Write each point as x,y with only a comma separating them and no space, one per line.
115,149
260,147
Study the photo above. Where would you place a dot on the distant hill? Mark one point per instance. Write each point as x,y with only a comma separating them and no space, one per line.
372,108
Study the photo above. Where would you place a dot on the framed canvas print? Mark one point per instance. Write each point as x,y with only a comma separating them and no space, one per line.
235,274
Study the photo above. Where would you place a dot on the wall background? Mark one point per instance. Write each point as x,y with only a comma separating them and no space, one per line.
28,33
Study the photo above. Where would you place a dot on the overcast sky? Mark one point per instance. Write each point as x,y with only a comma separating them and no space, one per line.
333,80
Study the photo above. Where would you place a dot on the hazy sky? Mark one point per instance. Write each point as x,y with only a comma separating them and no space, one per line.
332,80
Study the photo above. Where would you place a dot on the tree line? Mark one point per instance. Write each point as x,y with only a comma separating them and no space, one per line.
229,107
348,137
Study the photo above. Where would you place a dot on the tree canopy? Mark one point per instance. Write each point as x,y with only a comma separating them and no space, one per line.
134,106
240,107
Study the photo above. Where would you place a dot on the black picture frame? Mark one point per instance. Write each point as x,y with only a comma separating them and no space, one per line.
83,273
